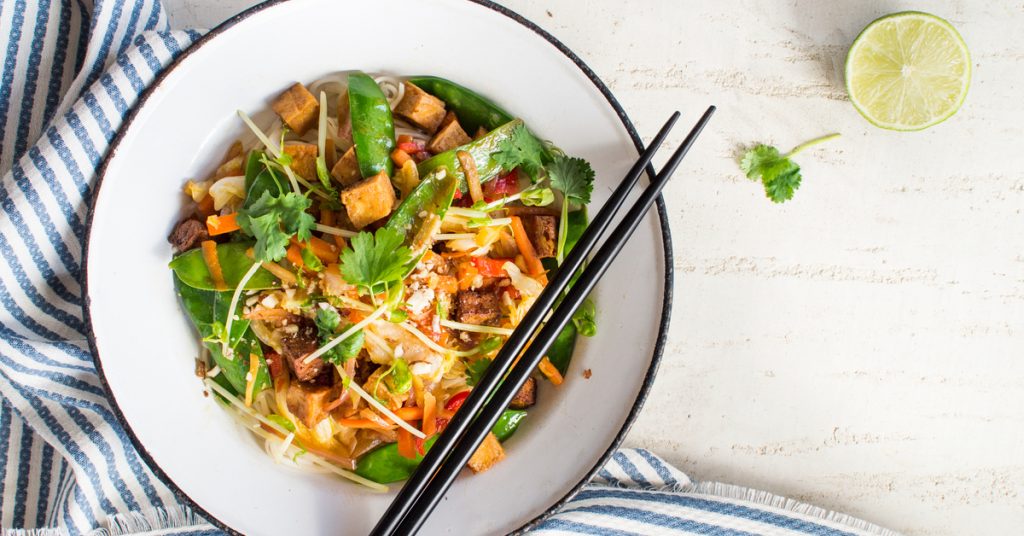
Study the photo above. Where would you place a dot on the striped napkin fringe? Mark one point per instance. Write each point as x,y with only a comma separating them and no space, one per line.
72,71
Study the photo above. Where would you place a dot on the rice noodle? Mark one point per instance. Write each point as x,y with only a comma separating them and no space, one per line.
393,89
405,129
334,85
461,326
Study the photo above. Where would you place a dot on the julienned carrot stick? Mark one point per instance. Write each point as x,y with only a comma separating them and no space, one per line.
294,255
213,264
323,249
429,414
406,445
547,368
533,264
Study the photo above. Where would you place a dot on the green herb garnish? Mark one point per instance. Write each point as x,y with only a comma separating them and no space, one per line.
779,174
575,179
327,323
521,149
372,262
273,220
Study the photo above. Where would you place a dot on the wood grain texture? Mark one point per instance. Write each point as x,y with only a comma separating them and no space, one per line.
861,346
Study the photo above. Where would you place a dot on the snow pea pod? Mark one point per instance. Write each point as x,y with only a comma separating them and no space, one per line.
373,129
191,269
385,465
472,109
482,151
420,214
208,311
508,423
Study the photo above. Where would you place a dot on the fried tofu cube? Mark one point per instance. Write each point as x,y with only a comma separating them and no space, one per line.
543,233
526,396
479,308
346,169
448,138
369,200
420,108
298,108
307,403
489,453
448,118
303,159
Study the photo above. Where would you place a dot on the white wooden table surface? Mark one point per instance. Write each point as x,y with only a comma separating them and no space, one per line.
860,347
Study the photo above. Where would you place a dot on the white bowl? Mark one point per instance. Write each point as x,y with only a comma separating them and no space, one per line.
145,346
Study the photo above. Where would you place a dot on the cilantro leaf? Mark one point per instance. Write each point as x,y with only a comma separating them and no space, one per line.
327,323
523,150
273,220
573,177
373,261
327,320
779,174
271,241
475,370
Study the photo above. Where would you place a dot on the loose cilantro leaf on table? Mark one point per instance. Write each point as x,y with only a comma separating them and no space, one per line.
374,261
779,174
523,150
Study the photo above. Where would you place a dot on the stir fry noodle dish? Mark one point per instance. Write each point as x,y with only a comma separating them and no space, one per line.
352,266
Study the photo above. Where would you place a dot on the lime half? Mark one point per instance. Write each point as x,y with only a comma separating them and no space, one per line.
908,71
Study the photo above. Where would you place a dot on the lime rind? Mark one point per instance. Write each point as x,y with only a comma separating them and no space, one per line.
880,94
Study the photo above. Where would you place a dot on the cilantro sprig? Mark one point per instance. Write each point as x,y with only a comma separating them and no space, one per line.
373,262
778,172
521,150
274,220
575,179
327,323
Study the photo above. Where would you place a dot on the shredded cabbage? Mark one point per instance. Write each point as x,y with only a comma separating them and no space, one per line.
227,191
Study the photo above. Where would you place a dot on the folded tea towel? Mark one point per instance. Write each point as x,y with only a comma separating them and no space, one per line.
72,71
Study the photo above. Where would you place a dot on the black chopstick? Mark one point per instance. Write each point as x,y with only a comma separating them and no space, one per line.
507,390
412,495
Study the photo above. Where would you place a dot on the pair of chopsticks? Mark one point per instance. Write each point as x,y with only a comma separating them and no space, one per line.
500,383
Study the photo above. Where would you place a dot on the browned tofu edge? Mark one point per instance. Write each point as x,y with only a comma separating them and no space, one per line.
297,107
526,396
346,169
421,108
489,453
448,138
372,192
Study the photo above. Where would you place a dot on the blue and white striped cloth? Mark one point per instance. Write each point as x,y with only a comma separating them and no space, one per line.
72,69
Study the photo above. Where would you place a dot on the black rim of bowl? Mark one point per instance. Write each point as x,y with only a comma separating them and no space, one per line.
666,311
